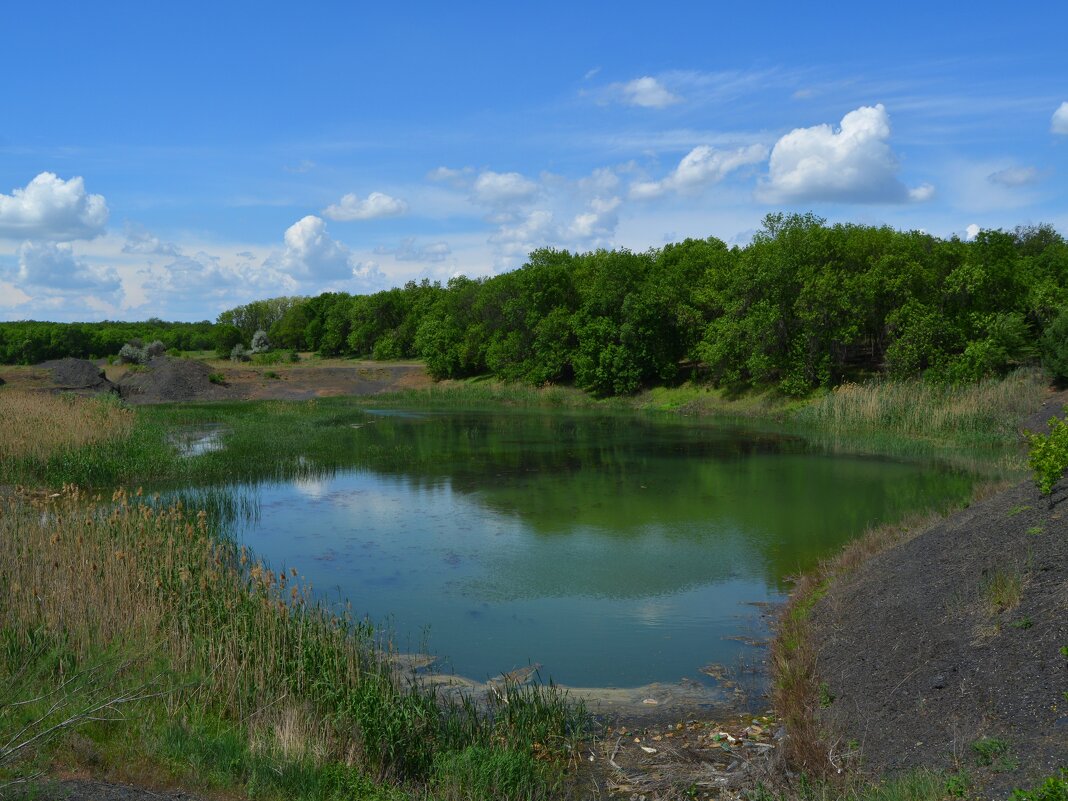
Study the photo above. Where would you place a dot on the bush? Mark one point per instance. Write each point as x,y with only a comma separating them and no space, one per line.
1054,347
260,344
293,356
238,353
1048,456
133,354
216,378
154,349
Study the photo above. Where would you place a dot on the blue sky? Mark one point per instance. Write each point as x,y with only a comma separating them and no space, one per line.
176,160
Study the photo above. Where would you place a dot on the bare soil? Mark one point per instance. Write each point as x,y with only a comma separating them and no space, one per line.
921,656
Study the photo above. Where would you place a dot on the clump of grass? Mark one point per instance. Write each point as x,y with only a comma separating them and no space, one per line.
994,753
216,378
986,411
1003,590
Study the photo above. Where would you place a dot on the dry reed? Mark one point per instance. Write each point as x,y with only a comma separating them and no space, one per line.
35,425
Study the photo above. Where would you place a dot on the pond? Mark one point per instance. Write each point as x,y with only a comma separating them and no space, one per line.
611,550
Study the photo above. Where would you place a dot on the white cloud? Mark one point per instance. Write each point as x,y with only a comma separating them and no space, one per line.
51,208
971,232
450,175
11,296
646,92
851,164
598,222
921,193
503,188
310,254
408,250
54,265
533,231
375,205
700,167
1015,176
146,244
1059,122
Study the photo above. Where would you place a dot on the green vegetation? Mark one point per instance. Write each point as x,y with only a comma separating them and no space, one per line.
1003,590
216,378
1048,456
994,753
1054,788
226,672
32,342
804,306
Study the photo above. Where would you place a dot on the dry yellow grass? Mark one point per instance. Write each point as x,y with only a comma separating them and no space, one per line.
35,425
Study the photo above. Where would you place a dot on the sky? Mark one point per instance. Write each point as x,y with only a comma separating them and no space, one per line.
175,160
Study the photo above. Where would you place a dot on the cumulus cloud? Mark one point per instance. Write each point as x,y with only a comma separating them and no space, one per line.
853,163
700,167
50,208
1015,176
646,92
54,265
1059,123
311,254
375,205
502,188
408,250
971,232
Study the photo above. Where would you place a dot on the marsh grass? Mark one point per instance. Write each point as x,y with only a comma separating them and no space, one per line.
988,411
279,674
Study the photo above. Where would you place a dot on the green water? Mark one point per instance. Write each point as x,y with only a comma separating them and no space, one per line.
611,550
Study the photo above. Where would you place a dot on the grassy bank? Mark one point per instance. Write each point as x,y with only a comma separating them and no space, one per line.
137,642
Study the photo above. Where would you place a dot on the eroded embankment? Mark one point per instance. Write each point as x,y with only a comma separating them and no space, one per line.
948,639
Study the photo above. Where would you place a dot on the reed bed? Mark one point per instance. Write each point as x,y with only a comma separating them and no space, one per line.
35,425
250,648
987,411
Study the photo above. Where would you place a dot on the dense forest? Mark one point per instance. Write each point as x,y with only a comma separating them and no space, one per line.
804,305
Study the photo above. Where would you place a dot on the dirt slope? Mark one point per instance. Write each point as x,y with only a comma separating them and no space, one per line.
922,656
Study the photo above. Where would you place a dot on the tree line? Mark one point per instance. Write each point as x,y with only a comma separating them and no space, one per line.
31,342
803,305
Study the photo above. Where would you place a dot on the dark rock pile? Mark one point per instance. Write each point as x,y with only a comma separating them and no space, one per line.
80,376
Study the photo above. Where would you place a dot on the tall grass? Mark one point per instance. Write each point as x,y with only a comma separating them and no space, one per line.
988,411
252,649
35,425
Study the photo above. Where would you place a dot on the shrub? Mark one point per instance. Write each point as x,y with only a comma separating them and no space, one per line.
238,353
216,378
260,344
132,354
293,356
1048,456
154,349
